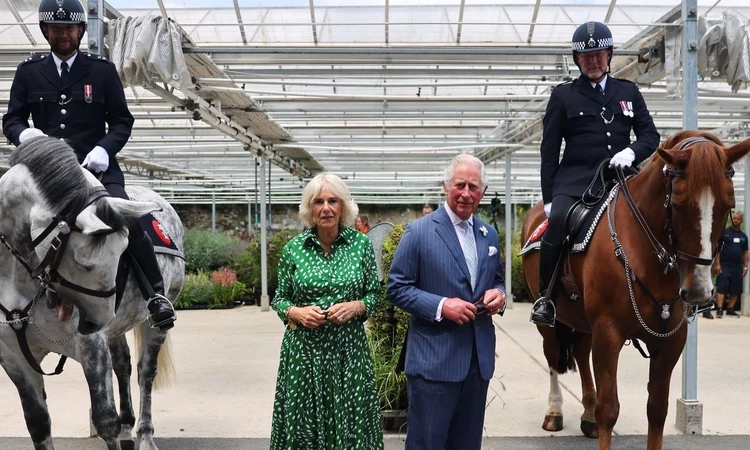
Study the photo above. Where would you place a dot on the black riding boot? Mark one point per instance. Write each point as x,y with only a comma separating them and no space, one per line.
543,312
142,250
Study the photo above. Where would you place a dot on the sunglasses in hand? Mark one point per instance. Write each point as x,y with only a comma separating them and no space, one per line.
482,308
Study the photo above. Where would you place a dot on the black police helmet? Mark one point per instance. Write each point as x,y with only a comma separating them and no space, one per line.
592,36
63,12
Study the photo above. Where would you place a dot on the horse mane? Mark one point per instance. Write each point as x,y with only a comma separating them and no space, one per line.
707,157
54,167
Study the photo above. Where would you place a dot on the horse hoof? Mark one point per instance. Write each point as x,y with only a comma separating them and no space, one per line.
553,422
127,445
590,429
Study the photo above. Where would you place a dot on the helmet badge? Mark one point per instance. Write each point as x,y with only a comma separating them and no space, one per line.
59,3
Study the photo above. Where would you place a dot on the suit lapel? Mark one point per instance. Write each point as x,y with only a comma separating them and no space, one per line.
447,233
612,88
79,69
483,249
49,71
584,87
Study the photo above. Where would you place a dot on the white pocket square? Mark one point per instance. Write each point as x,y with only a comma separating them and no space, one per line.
493,251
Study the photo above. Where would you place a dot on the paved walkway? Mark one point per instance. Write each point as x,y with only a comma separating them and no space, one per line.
226,362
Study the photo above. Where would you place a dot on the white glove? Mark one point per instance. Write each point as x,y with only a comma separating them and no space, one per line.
29,133
623,158
547,208
97,160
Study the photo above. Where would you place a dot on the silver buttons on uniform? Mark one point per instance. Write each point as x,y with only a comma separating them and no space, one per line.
580,113
62,126
41,99
609,147
608,133
63,96
63,111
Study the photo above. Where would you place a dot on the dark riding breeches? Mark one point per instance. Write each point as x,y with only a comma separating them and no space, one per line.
552,240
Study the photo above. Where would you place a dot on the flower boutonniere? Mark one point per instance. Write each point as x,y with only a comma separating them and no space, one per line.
483,230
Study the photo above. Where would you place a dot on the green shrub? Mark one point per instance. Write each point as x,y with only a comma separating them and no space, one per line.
226,288
206,250
197,290
386,331
247,263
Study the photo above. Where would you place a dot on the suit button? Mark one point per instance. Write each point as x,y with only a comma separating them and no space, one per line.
63,96
603,108
63,112
580,113
41,99
608,133
609,147
62,126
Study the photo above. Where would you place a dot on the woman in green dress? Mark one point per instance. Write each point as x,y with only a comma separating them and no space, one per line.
326,397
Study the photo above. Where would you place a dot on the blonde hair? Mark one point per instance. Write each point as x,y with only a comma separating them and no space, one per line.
349,209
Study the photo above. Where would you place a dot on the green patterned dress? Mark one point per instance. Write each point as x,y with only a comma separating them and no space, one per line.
326,397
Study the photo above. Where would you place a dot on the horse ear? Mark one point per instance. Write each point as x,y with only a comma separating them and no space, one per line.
132,208
674,158
737,151
89,224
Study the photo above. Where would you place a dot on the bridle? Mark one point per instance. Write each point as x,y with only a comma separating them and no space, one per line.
47,270
48,276
669,259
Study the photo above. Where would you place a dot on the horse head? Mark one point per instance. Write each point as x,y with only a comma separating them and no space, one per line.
75,231
700,195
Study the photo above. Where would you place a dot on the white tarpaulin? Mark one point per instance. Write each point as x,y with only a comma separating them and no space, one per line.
724,49
148,49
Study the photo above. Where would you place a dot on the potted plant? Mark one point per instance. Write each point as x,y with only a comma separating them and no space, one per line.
386,331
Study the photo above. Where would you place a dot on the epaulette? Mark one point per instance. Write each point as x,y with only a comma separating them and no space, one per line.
564,83
35,57
93,57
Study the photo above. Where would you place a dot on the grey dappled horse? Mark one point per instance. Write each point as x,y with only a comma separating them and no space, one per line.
59,226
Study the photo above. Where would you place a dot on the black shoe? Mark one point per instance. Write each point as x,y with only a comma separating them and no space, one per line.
719,313
731,312
708,315
543,312
162,312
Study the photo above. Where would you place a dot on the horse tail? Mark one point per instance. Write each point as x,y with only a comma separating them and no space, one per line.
166,374
565,341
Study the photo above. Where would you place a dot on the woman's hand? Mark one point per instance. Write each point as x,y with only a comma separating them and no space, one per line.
309,316
344,312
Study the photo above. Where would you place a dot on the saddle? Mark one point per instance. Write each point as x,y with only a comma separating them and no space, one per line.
579,225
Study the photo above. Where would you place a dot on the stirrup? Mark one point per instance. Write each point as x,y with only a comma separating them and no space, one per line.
534,307
706,307
164,324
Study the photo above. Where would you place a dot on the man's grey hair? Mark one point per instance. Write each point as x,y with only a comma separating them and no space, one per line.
462,158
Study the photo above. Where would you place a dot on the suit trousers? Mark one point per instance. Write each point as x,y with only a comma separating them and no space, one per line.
447,415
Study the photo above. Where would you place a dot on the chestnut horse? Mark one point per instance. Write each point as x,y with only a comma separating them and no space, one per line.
692,172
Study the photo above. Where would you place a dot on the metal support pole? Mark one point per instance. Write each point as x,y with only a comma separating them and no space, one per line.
264,300
249,216
508,235
689,417
213,211
95,27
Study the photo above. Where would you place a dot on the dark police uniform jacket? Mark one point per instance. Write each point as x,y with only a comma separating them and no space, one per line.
594,127
77,112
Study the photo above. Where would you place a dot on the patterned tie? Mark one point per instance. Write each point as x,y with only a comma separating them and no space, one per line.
470,251
64,72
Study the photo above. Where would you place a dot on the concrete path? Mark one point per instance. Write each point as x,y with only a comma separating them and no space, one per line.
226,363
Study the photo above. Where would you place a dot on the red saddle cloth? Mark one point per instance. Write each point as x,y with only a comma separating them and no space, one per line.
538,233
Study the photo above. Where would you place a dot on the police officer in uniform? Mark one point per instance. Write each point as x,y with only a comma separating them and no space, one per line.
72,96
594,114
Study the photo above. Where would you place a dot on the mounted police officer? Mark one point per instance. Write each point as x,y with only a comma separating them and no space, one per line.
72,95
594,114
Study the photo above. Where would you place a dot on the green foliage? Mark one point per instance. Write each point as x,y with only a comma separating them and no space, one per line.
386,331
247,263
206,250
197,290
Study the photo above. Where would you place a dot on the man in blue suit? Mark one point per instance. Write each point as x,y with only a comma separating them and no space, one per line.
447,272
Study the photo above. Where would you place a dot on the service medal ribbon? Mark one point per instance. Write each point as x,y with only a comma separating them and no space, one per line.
87,93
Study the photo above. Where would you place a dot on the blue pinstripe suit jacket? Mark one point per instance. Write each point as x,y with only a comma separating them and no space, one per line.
429,265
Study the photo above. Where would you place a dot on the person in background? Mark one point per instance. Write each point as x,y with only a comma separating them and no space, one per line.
447,272
362,224
731,268
78,97
595,115
326,396
427,209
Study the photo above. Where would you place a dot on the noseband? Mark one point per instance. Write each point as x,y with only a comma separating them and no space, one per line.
46,272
